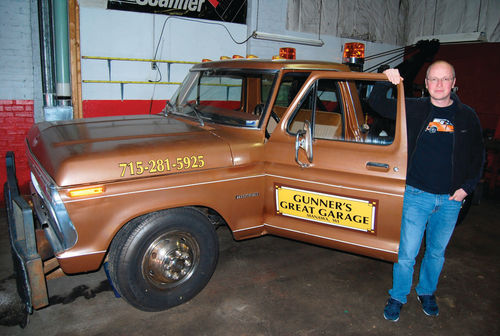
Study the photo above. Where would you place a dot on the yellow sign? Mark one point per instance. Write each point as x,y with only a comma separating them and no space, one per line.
335,210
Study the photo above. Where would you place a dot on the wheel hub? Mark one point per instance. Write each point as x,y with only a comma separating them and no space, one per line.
171,259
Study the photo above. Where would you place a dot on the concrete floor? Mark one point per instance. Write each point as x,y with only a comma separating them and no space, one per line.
275,286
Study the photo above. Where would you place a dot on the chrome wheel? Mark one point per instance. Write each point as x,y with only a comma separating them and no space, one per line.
171,259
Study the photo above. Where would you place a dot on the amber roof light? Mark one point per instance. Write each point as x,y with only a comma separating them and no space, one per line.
354,53
287,53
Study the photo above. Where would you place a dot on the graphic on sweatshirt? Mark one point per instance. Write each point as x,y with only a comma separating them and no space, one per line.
439,125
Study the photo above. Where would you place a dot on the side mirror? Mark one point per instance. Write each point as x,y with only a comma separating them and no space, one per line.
304,140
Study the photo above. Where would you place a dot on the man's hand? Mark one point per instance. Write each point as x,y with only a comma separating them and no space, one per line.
459,195
393,76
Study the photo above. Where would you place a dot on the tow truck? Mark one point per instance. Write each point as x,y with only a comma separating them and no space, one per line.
279,147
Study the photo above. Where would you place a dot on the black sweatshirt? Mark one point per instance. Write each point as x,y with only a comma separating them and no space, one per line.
467,146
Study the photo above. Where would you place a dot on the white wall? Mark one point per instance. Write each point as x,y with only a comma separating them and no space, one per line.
16,53
20,74
114,33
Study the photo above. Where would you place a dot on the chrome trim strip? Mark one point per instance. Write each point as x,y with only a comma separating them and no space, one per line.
250,228
233,179
72,254
165,188
335,186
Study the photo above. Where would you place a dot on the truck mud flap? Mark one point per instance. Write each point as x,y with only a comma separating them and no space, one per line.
28,265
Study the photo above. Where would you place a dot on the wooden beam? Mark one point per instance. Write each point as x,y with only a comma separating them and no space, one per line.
75,58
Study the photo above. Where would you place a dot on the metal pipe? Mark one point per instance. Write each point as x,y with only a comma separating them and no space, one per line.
46,56
61,33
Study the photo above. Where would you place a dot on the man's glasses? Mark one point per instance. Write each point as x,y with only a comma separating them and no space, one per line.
446,80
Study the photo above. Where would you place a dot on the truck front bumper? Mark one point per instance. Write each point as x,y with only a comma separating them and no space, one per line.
28,265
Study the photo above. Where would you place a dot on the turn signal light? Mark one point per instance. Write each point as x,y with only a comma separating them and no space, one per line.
224,58
206,60
237,56
86,191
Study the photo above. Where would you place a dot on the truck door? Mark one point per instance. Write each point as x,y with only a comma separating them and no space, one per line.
335,170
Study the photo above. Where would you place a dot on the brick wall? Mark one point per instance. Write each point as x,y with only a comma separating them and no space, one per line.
16,118
19,68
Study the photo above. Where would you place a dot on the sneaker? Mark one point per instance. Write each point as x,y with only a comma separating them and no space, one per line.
392,309
429,305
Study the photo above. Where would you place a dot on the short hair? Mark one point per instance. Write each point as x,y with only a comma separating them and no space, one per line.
440,62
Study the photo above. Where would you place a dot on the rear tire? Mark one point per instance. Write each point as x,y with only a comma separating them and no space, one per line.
163,259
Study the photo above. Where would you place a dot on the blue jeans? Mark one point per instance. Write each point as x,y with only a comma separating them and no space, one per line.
436,215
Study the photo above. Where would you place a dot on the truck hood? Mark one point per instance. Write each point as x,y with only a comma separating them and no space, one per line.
106,149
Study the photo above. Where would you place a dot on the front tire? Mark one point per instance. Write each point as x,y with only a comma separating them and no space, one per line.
163,259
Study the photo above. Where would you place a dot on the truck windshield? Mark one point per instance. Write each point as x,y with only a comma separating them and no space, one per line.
229,97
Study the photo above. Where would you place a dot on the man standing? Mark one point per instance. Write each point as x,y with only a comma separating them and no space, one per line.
445,159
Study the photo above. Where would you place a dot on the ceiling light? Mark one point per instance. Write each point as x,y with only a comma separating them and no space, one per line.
287,39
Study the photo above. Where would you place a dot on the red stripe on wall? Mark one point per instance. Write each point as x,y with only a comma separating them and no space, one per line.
107,108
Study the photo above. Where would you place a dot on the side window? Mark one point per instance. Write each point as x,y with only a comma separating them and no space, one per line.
324,106
321,107
377,130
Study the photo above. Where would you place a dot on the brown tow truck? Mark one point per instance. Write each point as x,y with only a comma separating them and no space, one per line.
279,147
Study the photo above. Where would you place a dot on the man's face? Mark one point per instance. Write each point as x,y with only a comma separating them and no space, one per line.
439,82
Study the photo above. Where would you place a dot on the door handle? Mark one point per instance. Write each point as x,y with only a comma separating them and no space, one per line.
378,166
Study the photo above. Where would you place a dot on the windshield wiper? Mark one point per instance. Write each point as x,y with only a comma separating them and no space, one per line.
196,112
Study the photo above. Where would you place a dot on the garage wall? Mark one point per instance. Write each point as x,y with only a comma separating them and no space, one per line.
20,88
122,34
